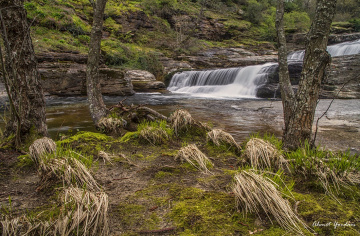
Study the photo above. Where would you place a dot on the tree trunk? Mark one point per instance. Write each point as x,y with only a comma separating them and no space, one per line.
96,103
21,76
299,111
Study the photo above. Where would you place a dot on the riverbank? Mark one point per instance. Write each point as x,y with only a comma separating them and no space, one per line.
151,189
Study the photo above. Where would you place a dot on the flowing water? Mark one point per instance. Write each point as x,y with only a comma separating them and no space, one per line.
232,82
341,49
241,82
339,129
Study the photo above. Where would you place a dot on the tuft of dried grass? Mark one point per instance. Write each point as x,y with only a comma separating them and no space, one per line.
105,156
263,154
111,125
41,147
182,120
70,171
11,226
22,225
86,213
353,177
82,213
195,157
218,137
254,192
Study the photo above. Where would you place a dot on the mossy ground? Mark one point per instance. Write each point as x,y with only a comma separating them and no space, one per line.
151,192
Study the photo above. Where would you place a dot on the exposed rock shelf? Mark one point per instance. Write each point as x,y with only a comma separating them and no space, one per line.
69,79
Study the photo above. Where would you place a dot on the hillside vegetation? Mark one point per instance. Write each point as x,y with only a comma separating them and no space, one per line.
136,33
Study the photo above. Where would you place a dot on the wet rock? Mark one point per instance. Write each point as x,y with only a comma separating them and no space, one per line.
227,57
343,70
140,75
69,79
170,65
62,57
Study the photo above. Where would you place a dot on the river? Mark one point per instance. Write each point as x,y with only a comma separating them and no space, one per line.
338,130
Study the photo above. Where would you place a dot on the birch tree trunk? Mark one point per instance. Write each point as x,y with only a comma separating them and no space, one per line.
299,108
20,73
96,103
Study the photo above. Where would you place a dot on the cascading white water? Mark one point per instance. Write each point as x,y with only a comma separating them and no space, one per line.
344,49
233,82
242,82
341,49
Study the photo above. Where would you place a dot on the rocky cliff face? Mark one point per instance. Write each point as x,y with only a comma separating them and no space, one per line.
343,70
69,79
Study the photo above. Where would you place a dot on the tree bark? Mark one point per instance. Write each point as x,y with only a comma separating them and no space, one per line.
299,111
22,77
96,103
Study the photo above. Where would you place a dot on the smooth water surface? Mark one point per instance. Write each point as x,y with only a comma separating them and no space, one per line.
339,129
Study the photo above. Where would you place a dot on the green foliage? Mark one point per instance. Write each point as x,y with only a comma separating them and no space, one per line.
129,136
254,11
88,143
69,153
25,161
297,20
356,23
306,157
150,132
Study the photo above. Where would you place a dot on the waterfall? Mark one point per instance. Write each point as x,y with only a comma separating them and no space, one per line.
232,82
344,49
341,49
242,82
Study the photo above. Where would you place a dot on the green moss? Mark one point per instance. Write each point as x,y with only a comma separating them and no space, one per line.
8,142
24,161
89,143
322,209
129,136
205,213
162,174
222,152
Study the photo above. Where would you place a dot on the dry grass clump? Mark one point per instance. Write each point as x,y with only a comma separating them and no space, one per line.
105,156
41,147
195,157
82,213
11,226
263,154
86,213
111,125
254,192
70,171
218,137
182,120
22,225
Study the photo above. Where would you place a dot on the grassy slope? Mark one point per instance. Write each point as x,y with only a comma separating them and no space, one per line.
64,26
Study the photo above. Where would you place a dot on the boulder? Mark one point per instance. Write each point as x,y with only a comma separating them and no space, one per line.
143,81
